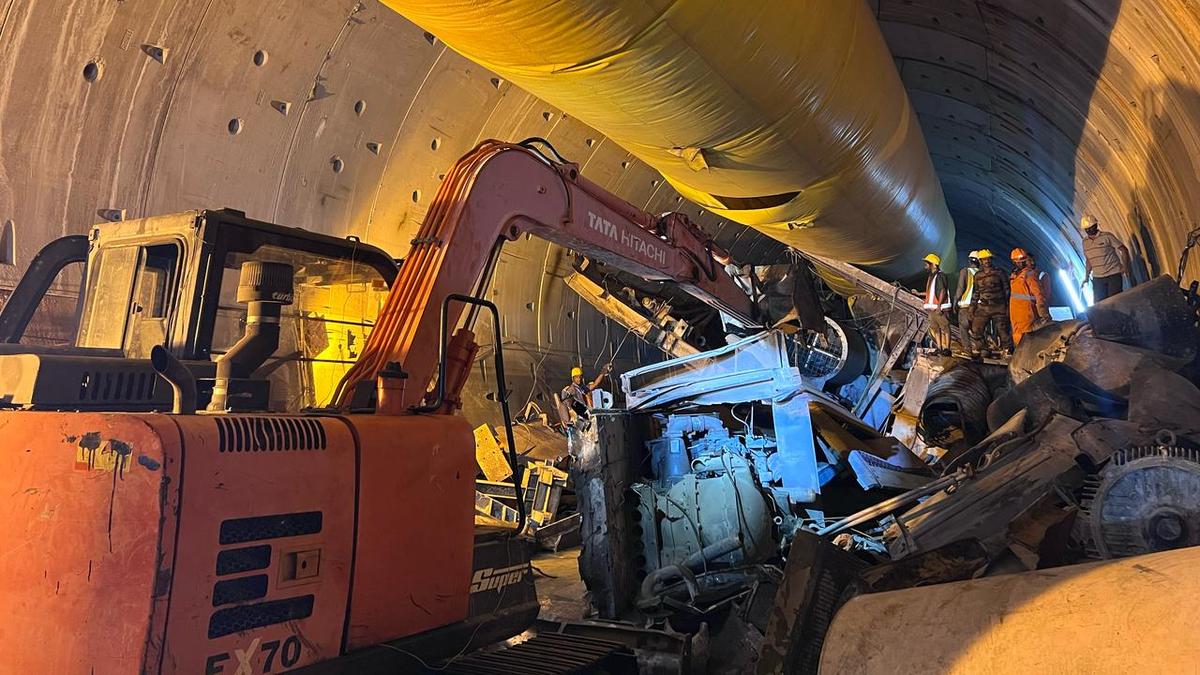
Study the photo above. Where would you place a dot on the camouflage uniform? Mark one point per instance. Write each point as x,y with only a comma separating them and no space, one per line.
989,303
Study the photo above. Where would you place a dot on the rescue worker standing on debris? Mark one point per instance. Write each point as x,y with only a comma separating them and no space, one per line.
573,400
966,288
1106,260
989,304
937,302
1026,303
1043,280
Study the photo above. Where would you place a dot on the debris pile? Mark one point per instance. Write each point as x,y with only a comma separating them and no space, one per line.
1088,448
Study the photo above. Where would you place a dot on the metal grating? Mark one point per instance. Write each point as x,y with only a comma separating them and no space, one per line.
248,617
236,560
118,385
236,433
240,530
548,654
231,591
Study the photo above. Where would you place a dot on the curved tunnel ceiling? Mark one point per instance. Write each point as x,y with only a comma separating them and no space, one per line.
1036,112
337,116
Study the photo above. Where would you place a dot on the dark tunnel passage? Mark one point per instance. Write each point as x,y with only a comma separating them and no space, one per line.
1003,92
1036,113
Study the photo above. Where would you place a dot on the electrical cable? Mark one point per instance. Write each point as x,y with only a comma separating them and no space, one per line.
532,142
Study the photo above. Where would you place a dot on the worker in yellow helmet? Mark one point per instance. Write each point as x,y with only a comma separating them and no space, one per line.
937,302
1026,301
573,400
965,289
989,304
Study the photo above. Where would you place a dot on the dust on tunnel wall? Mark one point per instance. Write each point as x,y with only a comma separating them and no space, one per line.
335,116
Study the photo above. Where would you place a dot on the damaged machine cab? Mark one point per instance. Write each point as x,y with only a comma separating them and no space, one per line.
172,281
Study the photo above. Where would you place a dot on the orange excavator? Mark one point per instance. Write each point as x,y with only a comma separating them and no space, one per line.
194,487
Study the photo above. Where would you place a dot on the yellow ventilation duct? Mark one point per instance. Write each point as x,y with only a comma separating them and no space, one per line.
786,116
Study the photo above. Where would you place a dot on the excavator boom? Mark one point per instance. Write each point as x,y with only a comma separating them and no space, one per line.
497,192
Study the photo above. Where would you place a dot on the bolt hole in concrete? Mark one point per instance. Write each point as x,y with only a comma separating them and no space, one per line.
235,126
260,57
93,71
8,243
416,196
360,107
337,164
435,144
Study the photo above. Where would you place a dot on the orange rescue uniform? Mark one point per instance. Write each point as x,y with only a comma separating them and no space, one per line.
1026,302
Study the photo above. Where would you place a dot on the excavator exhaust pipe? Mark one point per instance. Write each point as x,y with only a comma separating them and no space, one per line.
265,287
183,383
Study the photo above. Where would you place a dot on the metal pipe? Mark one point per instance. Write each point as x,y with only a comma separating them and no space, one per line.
183,383
265,287
1120,616
682,569
501,394
899,501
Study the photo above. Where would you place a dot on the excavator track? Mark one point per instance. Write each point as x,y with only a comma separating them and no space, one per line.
549,654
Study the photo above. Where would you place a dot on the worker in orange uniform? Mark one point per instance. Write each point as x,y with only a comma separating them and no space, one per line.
965,289
989,304
1043,279
1026,301
937,302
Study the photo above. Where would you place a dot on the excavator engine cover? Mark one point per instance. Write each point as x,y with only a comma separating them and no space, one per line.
216,543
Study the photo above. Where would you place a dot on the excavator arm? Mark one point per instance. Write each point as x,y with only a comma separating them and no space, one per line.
495,193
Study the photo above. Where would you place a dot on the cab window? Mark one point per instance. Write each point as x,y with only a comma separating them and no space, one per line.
131,294
321,333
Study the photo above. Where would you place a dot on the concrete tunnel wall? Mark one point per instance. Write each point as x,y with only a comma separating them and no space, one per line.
275,108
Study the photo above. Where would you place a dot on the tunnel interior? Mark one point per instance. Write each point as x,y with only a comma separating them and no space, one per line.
839,428
1037,113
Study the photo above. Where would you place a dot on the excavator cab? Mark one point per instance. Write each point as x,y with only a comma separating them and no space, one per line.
172,280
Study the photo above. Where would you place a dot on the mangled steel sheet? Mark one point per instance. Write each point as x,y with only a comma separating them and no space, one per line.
1042,346
1014,475
1154,315
754,368
1055,389
1161,399
1110,365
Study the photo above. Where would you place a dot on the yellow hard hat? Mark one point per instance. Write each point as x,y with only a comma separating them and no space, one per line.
984,254
1088,222
933,258
577,372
